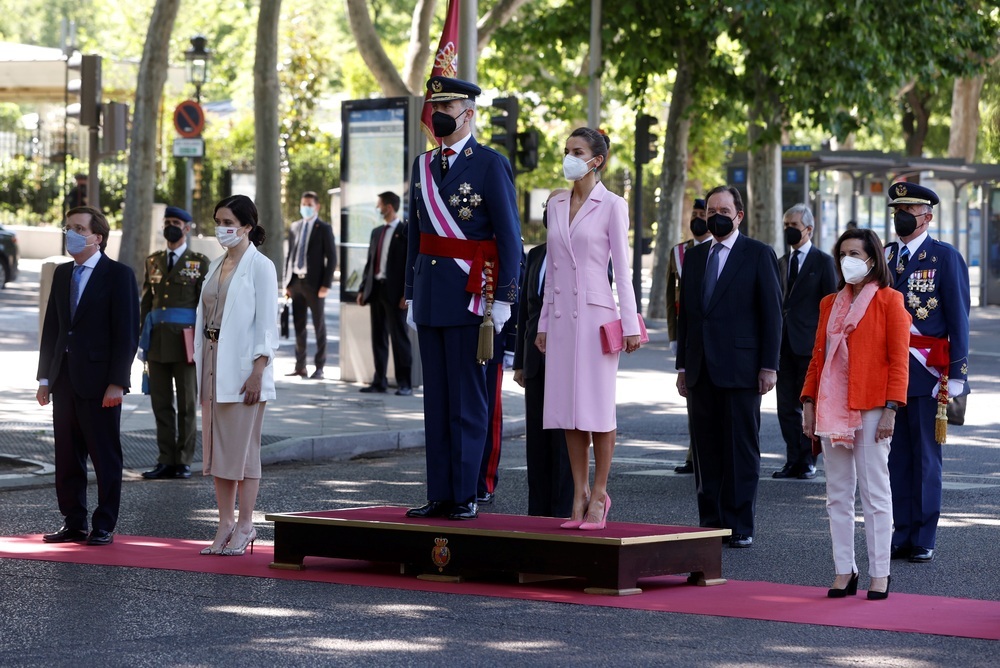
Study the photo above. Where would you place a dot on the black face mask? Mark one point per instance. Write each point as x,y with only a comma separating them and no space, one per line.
904,222
719,225
173,234
444,125
545,217
793,235
698,226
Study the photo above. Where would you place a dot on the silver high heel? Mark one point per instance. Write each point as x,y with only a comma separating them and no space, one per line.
211,549
230,551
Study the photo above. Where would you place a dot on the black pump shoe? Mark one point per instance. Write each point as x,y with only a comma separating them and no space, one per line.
880,595
850,590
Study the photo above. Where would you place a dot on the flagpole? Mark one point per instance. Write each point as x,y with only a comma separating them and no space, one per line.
468,39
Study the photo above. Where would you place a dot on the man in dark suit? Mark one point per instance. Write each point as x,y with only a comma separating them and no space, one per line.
807,275
171,288
728,341
464,228
309,267
89,339
550,480
675,267
382,288
934,280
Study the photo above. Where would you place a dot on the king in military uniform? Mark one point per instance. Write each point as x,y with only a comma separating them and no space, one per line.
170,292
463,260
934,280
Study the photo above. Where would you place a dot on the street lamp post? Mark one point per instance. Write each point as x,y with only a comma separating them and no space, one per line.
197,71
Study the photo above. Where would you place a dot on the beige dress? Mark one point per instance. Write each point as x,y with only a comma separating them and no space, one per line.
230,432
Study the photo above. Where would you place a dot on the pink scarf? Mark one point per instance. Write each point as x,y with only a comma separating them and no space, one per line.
834,417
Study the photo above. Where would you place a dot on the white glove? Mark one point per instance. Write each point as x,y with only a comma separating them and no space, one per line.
409,315
508,360
673,347
501,314
955,388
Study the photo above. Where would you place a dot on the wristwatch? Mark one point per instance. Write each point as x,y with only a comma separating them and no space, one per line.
892,405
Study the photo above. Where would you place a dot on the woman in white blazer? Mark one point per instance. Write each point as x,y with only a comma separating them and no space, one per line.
235,342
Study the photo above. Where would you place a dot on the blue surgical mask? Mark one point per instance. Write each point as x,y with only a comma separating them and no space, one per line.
307,212
76,242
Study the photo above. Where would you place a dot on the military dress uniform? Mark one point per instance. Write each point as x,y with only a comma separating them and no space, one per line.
458,220
934,280
167,298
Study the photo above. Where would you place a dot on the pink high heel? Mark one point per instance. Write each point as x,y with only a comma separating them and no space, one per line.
575,524
595,526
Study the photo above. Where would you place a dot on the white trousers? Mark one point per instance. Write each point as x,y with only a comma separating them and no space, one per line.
865,466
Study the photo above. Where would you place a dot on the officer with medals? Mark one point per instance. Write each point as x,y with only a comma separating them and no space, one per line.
934,280
463,260
171,288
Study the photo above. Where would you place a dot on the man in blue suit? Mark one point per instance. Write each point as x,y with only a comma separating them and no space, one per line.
728,342
934,280
89,338
464,246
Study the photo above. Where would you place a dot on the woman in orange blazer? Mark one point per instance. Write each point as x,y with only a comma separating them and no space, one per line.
856,380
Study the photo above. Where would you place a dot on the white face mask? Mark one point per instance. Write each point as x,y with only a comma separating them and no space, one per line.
228,237
575,168
854,269
307,212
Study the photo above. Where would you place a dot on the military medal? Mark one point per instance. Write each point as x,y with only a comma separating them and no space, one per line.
465,213
454,200
921,313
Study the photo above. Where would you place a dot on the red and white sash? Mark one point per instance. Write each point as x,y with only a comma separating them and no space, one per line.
443,222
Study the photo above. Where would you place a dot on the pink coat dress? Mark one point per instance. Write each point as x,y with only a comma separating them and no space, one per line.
579,378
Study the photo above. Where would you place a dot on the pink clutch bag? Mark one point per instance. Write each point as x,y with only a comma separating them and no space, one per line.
613,339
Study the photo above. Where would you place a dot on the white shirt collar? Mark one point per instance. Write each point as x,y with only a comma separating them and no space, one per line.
178,251
804,250
915,243
92,261
459,145
729,241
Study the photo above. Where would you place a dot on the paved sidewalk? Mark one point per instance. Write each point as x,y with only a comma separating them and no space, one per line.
310,420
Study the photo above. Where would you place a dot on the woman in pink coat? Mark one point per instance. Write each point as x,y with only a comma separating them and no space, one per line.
586,227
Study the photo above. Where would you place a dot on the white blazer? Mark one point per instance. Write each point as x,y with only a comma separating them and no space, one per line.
249,327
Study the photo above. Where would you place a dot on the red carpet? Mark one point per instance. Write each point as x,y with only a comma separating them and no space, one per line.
911,613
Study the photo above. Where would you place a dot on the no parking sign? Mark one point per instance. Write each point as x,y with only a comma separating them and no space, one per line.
189,119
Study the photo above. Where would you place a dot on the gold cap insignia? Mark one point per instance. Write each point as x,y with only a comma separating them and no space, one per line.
900,190
436,86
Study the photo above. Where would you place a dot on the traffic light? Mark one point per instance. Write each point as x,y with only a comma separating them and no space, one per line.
505,125
527,149
645,141
88,110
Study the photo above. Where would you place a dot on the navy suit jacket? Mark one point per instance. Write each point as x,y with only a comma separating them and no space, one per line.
321,254
478,192
395,265
99,343
529,307
740,332
935,287
800,308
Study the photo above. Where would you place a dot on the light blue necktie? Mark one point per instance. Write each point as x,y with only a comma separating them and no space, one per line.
74,290
711,275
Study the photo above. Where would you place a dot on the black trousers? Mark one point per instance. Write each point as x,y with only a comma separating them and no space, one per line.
726,425
84,428
305,297
550,481
791,377
389,324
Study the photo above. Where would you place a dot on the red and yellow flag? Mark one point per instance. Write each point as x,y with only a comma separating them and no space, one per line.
445,63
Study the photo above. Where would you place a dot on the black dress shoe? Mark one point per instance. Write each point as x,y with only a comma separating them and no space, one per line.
301,373
160,472
404,391
485,498
317,375
66,535
740,540
182,471
464,511
880,595
921,555
807,473
431,509
373,389
900,552
686,468
100,537
787,471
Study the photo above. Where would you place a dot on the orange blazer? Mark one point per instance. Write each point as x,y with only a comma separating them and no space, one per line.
878,366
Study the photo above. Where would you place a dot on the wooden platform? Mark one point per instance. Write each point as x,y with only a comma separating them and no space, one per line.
611,561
